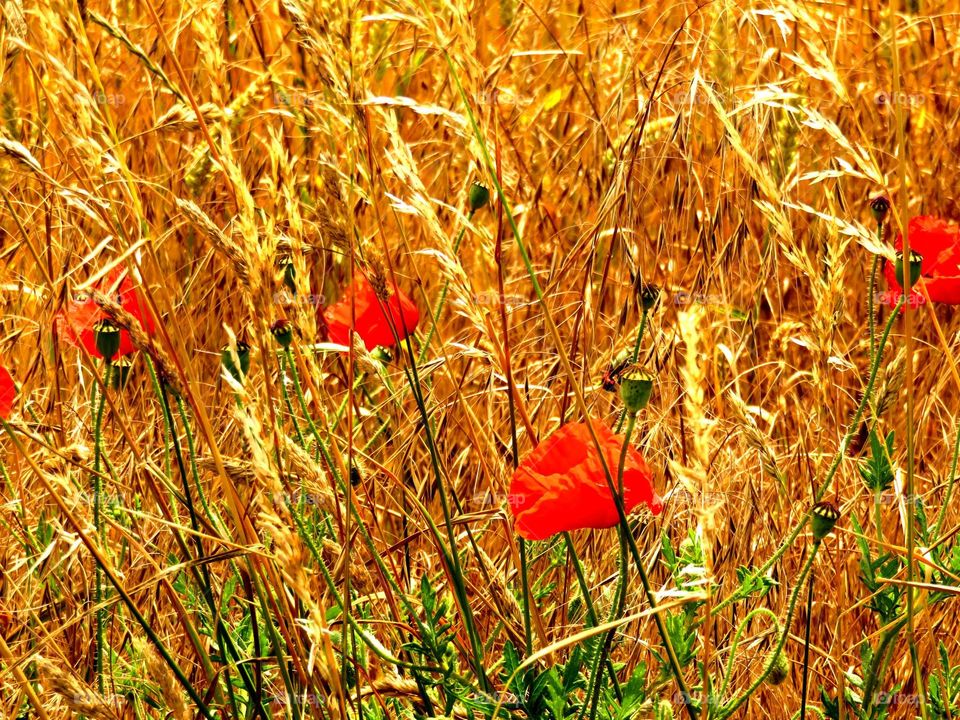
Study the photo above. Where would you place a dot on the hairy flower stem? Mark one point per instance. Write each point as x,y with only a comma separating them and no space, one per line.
603,648
806,652
736,642
286,397
101,613
728,709
949,493
852,429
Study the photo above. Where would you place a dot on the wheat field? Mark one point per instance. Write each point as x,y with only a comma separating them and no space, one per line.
260,521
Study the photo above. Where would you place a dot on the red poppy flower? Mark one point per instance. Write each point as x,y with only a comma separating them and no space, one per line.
8,392
79,319
374,317
938,243
562,486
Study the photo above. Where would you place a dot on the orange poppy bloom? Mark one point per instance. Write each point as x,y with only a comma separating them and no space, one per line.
938,243
79,319
376,319
562,486
8,392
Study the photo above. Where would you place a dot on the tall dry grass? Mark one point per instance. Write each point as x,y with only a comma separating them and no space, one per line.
725,152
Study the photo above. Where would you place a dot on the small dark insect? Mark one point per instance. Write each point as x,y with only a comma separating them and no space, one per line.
614,372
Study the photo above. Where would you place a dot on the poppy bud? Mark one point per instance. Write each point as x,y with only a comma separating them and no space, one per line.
635,388
107,338
779,669
382,355
121,371
915,262
822,519
243,355
282,332
479,197
880,206
648,294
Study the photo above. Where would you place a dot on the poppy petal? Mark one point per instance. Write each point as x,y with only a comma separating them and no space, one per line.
562,485
8,392
938,243
375,319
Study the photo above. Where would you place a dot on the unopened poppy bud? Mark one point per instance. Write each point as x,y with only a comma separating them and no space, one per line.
282,332
382,355
107,337
779,669
238,373
635,388
880,206
479,197
121,372
915,264
822,519
648,294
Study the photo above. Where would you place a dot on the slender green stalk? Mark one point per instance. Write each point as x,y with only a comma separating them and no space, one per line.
878,513
604,646
806,651
97,488
286,399
951,481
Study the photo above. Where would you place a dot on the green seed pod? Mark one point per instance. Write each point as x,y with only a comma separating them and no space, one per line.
822,519
282,332
779,669
479,197
649,295
915,262
243,355
120,372
107,337
880,206
382,355
636,385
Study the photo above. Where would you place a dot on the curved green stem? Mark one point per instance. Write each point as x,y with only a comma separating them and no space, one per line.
736,641
729,708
